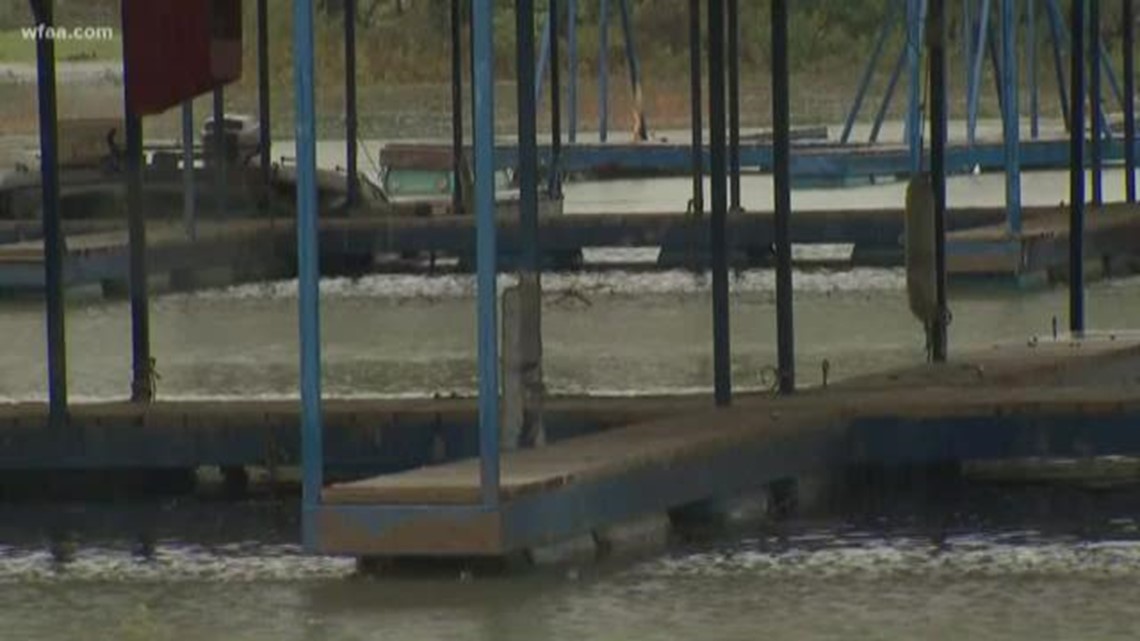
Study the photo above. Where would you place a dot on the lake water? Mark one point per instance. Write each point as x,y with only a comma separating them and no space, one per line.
986,564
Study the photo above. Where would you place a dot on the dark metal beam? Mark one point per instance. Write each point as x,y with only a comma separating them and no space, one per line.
352,180
1129,18
265,142
53,234
457,194
936,33
697,204
781,174
555,180
1096,152
219,151
734,104
722,351
527,134
1077,172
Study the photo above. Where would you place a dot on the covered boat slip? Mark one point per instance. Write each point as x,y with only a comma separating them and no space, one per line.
1063,398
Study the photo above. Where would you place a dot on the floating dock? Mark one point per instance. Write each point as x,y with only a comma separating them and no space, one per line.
1068,398
978,243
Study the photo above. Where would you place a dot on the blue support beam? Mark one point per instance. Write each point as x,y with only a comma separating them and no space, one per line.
527,134
483,82
915,11
640,128
782,194
51,215
733,7
868,74
718,196
572,62
456,50
1096,152
604,72
1034,97
1077,173
265,141
1056,29
938,126
1129,53
974,88
543,56
308,272
554,182
351,128
1011,117
892,84
696,117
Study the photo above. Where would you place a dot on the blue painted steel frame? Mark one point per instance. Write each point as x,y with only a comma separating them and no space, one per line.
572,62
604,72
308,286
868,73
916,9
1011,118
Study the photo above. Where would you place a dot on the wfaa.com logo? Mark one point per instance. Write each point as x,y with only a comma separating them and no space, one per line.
46,32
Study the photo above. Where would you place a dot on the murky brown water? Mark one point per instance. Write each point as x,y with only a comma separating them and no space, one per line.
966,572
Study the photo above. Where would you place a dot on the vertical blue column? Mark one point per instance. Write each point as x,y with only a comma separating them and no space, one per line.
734,105
696,113
604,72
1034,107
914,101
142,379
868,73
936,31
968,47
888,96
265,141
572,54
718,236
1011,124
308,275
189,215
350,120
527,136
641,128
486,256
1057,37
1098,124
977,68
543,58
53,234
782,179
457,194
554,184
1129,13
1077,173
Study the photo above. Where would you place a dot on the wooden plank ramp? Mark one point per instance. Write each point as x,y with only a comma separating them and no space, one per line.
656,465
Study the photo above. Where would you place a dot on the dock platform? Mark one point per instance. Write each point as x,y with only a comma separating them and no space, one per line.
1068,398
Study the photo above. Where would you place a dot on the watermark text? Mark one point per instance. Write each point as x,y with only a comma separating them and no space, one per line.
45,32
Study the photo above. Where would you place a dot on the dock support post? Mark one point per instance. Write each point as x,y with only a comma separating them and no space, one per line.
604,72
914,102
782,177
189,215
265,141
554,187
1011,117
1057,41
640,127
974,89
718,236
572,54
308,285
1034,93
142,366
696,150
484,92
53,234
1096,152
219,150
938,134
457,194
734,105
1077,173
1129,19
352,181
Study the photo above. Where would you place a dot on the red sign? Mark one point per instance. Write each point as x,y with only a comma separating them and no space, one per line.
178,49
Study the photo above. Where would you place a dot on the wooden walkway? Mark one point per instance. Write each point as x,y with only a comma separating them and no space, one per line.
669,462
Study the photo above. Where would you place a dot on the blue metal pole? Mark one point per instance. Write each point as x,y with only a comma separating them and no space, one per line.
1129,12
1011,116
975,88
641,128
1113,83
868,74
352,179
52,228
189,215
572,54
1034,106
1055,22
696,114
457,194
263,110
733,7
527,136
938,127
488,350
604,72
892,84
1077,174
967,48
308,274
1097,158
718,236
914,101
142,380
782,193
543,57
554,186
